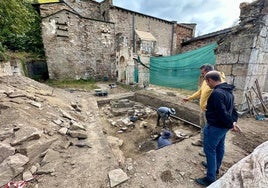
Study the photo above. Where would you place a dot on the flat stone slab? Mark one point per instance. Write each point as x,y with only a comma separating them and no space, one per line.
117,177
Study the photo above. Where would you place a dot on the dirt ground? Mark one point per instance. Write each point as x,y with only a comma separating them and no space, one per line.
173,166
178,165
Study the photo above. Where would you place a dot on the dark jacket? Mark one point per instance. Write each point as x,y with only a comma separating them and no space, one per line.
162,142
220,107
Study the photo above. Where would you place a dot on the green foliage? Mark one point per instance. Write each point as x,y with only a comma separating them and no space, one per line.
24,68
20,27
3,56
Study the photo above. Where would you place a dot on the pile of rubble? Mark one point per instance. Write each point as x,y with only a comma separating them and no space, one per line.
42,132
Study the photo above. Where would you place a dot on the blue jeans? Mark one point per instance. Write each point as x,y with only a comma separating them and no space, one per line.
213,145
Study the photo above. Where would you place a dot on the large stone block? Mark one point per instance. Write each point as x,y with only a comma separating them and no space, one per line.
239,82
33,149
244,56
11,167
227,58
26,134
240,70
264,31
239,98
229,79
257,69
226,69
242,42
6,151
259,42
254,56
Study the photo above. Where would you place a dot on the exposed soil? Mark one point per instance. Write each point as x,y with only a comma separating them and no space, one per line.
140,138
173,166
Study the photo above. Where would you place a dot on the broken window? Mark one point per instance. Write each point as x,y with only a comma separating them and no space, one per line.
147,47
145,42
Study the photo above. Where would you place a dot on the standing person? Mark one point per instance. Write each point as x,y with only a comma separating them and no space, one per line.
221,117
163,113
202,94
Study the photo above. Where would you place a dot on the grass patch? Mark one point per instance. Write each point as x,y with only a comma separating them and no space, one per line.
74,84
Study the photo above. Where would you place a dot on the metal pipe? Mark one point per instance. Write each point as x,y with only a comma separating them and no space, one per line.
133,33
172,38
178,118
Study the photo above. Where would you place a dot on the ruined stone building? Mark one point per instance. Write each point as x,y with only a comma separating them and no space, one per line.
242,50
87,39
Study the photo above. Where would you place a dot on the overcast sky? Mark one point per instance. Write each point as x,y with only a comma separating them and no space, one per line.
209,15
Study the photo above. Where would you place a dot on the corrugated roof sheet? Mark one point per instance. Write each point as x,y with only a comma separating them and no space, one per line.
143,35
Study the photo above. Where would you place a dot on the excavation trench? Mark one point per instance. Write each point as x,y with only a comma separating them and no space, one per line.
130,123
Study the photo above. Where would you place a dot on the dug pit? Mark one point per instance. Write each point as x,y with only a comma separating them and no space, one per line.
131,128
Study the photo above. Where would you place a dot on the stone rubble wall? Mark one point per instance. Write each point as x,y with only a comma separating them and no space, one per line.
242,55
77,47
125,22
182,34
161,30
242,52
89,9
69,32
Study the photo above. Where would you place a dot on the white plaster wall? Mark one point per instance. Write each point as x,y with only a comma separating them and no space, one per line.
7,70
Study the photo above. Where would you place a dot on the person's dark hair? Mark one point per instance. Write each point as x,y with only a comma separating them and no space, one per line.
207,67
213,75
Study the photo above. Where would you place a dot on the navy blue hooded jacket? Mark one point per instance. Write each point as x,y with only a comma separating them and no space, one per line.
220,107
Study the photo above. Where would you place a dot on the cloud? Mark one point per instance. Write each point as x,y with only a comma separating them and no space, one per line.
209,15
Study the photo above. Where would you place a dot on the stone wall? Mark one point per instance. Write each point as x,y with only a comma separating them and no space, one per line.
161,30
5,69
242,50
85,39
155,100
123,44
242,55
183,33
203,40
89,9
77,47
12,67
126,22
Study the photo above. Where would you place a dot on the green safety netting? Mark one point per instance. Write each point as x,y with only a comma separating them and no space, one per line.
181,70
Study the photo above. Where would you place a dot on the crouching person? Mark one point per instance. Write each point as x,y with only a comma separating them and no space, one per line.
164,139
164,113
